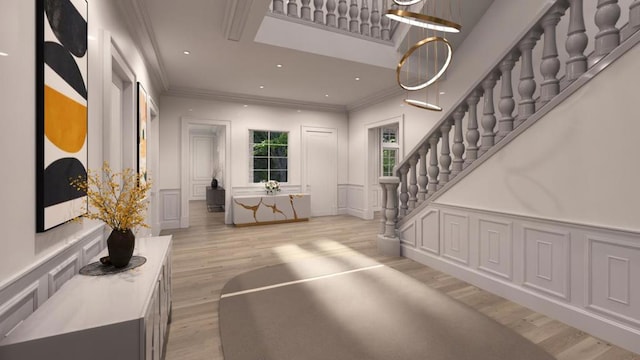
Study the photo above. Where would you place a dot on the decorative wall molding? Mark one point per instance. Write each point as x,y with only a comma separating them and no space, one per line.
170,209
355,199
581,275
343,202
190,93
21,295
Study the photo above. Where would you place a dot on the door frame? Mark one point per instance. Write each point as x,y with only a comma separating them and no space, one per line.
186,123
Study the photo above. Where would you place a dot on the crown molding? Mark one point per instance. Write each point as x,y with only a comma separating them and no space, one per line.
251,99
139,22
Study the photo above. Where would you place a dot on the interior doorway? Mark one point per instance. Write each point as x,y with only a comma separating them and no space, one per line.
194,182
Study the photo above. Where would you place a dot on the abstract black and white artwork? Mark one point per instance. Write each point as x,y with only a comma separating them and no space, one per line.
61,110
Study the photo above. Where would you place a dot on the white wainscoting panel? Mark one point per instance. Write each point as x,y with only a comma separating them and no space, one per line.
92,249
170,208
586,276
430,231
355,201
408,234
495,254
14,311
343,201
547,260
22,294
614,287
455,237
63,272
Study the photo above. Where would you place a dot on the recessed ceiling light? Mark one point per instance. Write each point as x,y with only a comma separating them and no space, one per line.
299,110
357,78
326,95
279,65
261,86
190,109
245,105
3,54
442,92
186,52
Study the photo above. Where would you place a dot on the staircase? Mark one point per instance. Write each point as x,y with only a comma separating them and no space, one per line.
584,273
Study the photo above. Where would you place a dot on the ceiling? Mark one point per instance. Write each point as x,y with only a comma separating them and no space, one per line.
246,70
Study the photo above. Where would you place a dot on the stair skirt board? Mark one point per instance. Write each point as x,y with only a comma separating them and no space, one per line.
578,274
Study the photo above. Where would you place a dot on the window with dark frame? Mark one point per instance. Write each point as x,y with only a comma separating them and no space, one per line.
269,155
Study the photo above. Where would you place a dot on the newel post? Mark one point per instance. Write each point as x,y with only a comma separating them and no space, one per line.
388,242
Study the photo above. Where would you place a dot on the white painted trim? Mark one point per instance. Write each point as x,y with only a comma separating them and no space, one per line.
399,119
186,122
72,262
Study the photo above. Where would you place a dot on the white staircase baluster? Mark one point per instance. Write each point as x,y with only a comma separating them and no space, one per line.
331,13
473,135
422,175
364,18
458,141
634,15
404,194
318,14
577,40
353,15
445,151
433,166
527,85
488,114
292,8
506,104
608,36
385,22
305,10
391,207
277,7
375,20
342,15
413,181
550,86
383,205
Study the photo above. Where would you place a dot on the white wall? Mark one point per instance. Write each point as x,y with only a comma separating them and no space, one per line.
243,119
21,246
470,61
578,164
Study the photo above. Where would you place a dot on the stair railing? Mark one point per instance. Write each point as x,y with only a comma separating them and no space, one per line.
363,17
426,170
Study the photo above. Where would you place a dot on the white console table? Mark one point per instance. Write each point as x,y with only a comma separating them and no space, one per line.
121,316
269,209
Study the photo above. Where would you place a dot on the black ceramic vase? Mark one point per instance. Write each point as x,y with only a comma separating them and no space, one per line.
120,245
214,183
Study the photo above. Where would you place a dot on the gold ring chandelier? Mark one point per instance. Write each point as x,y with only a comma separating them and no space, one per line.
430,22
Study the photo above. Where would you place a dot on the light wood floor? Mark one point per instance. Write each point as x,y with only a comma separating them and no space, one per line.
209,253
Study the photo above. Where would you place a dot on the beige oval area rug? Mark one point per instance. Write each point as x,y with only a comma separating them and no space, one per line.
353,308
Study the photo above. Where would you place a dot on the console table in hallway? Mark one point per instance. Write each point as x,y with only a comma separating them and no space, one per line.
270,209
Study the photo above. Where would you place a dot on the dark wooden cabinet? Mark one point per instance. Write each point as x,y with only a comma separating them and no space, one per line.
215,198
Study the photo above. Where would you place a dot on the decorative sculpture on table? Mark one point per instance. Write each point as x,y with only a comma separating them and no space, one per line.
120,201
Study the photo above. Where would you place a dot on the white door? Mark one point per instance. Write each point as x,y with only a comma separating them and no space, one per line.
321,170
201,165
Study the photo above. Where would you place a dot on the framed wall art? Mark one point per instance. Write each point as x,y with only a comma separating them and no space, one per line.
143,113
61,110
